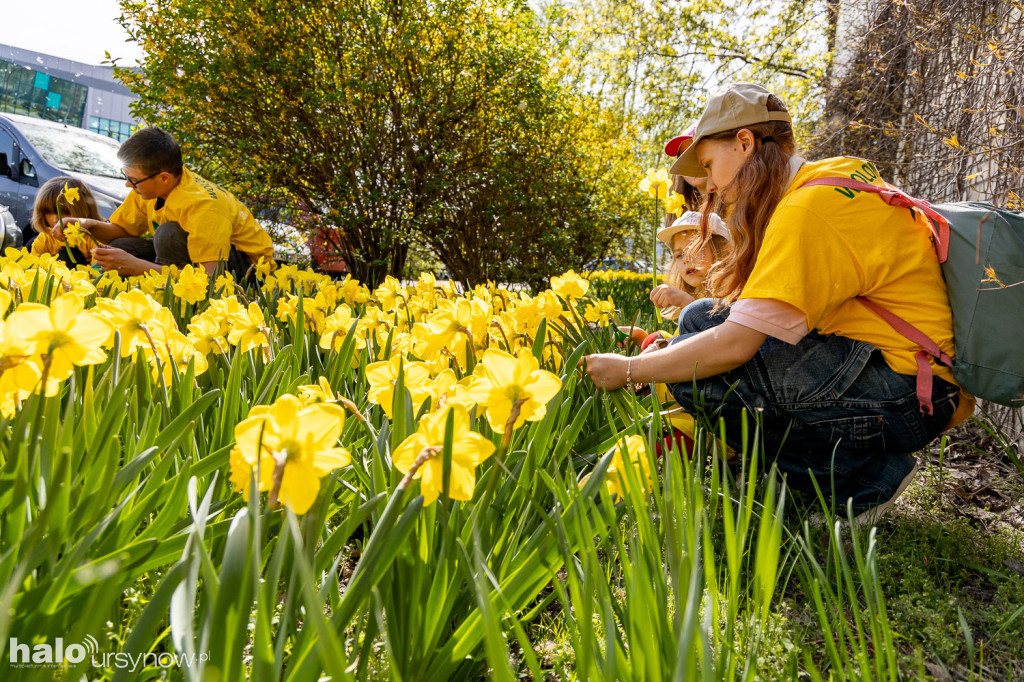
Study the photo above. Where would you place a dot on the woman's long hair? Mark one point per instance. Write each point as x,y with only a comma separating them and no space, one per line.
758,187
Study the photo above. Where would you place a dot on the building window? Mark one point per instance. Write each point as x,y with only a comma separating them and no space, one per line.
119,130
41,95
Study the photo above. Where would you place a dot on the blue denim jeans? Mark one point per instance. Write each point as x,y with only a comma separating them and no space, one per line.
830,410
169,246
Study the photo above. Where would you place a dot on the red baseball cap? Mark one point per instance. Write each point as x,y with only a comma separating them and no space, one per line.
677,145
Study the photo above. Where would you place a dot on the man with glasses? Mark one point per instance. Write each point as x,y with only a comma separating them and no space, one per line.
191,219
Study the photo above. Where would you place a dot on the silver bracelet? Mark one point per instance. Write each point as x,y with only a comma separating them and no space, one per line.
629,363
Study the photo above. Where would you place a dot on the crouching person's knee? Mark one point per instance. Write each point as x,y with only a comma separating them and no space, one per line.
171,245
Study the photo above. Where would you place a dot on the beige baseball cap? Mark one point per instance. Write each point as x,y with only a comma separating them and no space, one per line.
729,107
691,221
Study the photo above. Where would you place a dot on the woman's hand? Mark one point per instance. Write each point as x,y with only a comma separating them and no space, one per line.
664,296
606,370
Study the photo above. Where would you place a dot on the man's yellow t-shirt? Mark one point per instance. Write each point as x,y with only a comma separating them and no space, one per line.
824,246
211,216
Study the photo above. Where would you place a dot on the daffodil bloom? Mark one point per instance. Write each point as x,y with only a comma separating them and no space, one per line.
513,389
655,183
62,334
137,317
225,282
390,293
288,308
70,194
20,369
599,312
469,449
383,376
291,446
320,392
174,354
75,236
204,331
617,480
249,329
352,292
676,203
192,284
264,267
335,329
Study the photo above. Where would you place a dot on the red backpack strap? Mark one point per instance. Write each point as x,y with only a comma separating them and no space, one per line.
894,197
928,347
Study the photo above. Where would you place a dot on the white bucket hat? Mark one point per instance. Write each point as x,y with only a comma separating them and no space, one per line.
691,221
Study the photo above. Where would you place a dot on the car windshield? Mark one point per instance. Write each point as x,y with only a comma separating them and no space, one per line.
74,149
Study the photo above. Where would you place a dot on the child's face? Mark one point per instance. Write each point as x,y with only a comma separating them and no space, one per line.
50,218
693,270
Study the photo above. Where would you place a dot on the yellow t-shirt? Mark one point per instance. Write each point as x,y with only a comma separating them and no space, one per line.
826,245
211,216
48,244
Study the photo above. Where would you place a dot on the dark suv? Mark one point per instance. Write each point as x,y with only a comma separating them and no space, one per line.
33,151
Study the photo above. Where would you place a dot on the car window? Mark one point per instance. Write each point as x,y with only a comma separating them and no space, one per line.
74,149
7,146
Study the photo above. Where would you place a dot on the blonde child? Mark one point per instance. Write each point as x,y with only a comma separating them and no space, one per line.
692,258
44,217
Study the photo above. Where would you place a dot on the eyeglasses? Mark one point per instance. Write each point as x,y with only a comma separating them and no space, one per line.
135,183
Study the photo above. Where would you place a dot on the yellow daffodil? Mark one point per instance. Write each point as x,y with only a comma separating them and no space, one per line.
249,329
382,377
320,392
173,355
676,203
204,331
192,284
469,449
617,480
390,294
264,267
70,194
335,329
292,446
513,389
655,183
75,236
570,285
225,283
63,335
137,317
599,312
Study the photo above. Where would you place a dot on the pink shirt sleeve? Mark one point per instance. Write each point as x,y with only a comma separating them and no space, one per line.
774,318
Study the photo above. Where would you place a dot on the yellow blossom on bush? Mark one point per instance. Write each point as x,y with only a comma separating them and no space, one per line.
469,449
291,446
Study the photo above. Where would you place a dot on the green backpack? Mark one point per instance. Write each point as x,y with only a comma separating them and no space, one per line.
981,249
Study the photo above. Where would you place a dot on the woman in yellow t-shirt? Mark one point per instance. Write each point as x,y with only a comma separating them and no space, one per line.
834,386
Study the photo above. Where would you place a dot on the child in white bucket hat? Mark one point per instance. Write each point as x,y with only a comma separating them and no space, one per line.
691,260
